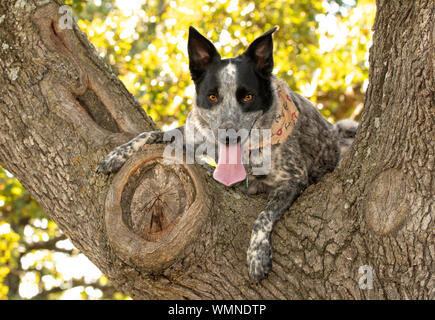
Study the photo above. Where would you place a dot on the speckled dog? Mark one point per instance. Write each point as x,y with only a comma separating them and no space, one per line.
242,94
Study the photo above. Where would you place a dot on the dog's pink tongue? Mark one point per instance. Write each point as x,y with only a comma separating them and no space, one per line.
229,169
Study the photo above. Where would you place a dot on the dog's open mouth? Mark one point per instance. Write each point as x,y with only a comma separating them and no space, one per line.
229,169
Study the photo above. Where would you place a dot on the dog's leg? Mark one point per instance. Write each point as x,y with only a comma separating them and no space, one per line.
259,256
116,159
289,177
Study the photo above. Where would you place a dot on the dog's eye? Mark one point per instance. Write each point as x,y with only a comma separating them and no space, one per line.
248,97
212,97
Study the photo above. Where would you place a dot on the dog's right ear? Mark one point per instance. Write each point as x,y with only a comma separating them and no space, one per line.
201,53
261,52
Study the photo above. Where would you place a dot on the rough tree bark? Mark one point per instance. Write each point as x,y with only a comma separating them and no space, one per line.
160,231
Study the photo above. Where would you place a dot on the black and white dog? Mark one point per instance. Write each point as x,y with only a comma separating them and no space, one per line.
242,94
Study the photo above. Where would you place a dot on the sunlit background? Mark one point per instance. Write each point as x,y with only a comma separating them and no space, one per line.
321,50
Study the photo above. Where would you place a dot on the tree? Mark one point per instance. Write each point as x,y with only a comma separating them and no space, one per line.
62,110
322,51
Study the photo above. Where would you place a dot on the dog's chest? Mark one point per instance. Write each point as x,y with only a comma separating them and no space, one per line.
268,165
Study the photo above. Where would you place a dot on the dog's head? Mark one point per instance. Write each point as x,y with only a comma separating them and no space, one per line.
231,94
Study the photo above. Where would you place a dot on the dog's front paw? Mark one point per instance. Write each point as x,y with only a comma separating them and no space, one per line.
112,162
259,261
259,253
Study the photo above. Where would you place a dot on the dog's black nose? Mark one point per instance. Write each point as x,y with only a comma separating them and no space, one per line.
228,125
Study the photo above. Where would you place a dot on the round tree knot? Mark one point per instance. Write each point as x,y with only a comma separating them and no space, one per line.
154,210
387,204
155,198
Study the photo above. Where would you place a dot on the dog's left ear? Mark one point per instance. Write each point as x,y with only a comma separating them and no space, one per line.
261,52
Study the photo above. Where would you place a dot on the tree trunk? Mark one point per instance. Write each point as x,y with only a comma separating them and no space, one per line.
165,231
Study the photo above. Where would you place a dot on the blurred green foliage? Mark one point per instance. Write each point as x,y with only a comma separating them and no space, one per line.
321,50
35,256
